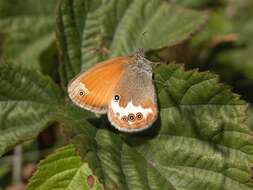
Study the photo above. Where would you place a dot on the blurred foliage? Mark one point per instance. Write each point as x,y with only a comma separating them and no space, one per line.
26,30
200,139
225,46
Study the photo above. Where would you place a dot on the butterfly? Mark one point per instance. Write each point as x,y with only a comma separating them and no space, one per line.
122,87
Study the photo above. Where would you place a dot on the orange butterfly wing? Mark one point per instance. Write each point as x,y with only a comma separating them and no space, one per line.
93,88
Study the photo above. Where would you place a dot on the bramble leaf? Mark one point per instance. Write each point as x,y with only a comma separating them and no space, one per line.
26,30
66,172
28,101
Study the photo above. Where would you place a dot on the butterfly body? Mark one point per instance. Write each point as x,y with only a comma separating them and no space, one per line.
121,87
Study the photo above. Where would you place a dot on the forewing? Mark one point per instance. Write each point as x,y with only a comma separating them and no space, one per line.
93,88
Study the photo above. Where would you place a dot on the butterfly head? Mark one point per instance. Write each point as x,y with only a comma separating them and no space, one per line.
141,64
140,53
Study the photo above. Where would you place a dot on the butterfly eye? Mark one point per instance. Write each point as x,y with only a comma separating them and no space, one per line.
124,118
116,97
131,117
139,116
81,92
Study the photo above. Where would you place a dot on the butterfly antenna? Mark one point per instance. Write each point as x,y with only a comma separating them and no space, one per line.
140,50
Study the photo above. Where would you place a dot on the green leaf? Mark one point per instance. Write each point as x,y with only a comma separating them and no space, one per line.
200,140
26,29
92,31
28,102
66,172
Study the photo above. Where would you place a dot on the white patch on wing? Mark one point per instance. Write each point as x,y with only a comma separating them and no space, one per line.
130,108
75,88
83,87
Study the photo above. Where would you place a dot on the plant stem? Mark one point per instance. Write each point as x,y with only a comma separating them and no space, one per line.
17,165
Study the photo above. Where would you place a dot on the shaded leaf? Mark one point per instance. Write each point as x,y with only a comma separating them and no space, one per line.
26,29
27,102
